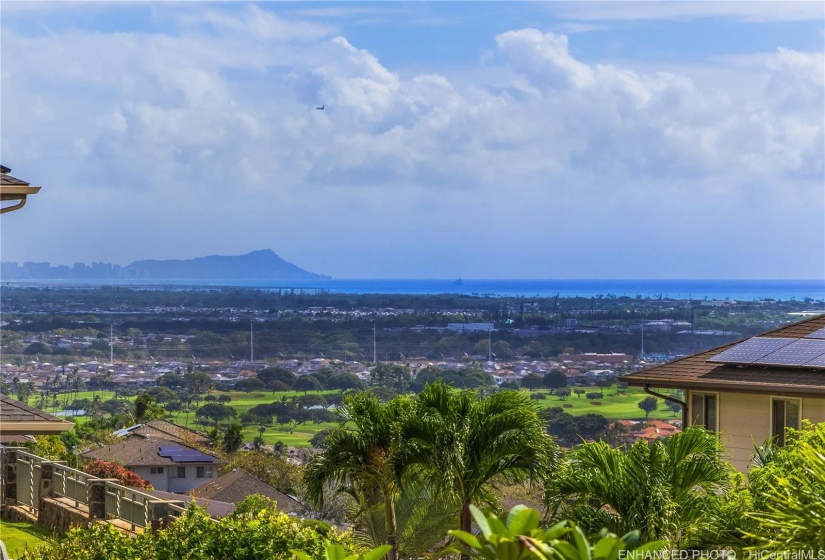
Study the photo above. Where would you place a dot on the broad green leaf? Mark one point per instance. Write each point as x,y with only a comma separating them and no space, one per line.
465,537
335,551
631,539
581,543
607,548
537,548
522,520
508,549
497,526
557,531
301,555
481,521
567,550
377,553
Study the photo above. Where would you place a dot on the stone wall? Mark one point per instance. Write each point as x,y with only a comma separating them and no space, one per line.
60,517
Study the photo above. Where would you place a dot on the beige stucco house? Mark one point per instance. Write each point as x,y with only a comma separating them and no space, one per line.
751,390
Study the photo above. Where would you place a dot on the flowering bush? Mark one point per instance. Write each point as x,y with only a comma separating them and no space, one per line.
110,469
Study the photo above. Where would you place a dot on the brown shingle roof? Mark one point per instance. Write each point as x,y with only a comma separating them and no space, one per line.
135,452
236,485
19,418
697,373
168,430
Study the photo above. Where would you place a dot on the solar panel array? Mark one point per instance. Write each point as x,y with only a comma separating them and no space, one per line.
820,333
751,350
806,352
184,455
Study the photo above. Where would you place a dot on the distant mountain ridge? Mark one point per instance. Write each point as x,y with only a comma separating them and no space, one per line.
257,265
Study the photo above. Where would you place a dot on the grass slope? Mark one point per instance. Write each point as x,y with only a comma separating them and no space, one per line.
18,535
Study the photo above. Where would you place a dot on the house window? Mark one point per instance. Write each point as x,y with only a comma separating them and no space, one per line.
785,414
156,470
204,472
180,472
704,411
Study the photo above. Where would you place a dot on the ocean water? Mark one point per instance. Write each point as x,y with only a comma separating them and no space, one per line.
742,290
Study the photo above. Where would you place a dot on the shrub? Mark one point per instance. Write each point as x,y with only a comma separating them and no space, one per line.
110,469
194,536
538,396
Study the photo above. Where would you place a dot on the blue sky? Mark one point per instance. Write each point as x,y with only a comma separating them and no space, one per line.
460,139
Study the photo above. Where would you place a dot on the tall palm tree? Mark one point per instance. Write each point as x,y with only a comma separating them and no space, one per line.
665,489
358,458
458,445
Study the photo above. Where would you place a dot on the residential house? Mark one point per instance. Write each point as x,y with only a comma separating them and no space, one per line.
168,465
163,429
751,390
234,486
648,430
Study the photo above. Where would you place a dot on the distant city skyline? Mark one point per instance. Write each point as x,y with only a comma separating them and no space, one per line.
462,139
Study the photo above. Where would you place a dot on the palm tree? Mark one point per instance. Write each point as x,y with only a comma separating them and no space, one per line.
458,445
358,458
666,489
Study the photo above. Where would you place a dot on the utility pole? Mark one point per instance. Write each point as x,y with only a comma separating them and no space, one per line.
490,345
111,345
251,345
643,336
374,347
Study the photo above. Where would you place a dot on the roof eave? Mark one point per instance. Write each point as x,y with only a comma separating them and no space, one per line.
760,388
40,428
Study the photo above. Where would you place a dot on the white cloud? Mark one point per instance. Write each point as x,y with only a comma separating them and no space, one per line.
210,137
745,10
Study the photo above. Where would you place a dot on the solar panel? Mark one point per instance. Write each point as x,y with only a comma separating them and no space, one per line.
751,350
192,458
184,455
817,334
798,353
816,362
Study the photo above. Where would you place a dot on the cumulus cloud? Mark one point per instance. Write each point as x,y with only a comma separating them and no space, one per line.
217,120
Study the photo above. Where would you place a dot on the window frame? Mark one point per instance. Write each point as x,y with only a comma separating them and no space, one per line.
155,470
779,438
704,423
203,471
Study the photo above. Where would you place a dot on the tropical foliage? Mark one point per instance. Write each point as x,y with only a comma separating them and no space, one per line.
358,458
195,536
459,445
678,489
788,488
522,538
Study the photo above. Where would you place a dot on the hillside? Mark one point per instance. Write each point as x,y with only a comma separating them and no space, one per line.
263,264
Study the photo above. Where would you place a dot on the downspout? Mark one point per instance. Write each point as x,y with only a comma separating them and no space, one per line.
671,399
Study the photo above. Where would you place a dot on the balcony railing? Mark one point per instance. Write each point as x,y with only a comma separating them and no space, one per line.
25,478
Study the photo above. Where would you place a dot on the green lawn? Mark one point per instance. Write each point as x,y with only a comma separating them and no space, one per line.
18,535
613,406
